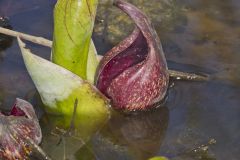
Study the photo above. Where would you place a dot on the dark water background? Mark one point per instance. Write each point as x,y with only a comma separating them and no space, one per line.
200,120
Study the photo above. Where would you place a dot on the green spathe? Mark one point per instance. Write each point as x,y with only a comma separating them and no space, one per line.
73,26
92,63
59,88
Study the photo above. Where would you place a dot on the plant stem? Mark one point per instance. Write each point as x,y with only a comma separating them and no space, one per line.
177,75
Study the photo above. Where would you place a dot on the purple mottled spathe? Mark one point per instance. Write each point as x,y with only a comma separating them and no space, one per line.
16,129
134,73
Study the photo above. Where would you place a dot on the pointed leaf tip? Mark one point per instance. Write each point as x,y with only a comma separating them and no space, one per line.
59,88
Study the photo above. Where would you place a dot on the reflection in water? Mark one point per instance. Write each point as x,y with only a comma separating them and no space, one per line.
14,79
202,35
10,8
138,136
5,41
58,143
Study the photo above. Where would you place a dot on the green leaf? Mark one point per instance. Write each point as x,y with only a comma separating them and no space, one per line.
159,158
73,26
92,63
59,88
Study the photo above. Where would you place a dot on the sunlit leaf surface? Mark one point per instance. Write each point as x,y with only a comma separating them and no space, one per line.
60,88
73,25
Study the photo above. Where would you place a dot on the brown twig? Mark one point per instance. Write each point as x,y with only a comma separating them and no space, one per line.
72,123
38,148
34,39
177,75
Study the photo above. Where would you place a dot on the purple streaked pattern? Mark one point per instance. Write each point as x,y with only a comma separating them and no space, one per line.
16,130
134,73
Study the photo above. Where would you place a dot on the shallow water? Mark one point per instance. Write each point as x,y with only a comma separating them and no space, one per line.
200,120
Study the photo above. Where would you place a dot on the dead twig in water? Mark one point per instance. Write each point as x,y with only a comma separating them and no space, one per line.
197,151
70,131
38,148
34,39
177,75
72,123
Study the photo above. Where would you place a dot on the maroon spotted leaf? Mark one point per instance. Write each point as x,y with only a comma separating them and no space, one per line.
134,73
17,129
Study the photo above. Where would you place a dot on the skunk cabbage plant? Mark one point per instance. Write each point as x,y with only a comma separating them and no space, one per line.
59,88
69,77
18,128
73,26
134,73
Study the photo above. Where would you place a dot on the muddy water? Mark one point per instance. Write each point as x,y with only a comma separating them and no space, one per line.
200,120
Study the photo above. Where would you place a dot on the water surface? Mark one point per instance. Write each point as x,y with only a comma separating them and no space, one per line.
200,120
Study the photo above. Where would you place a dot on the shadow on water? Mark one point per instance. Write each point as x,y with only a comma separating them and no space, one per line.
199,36
132,136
